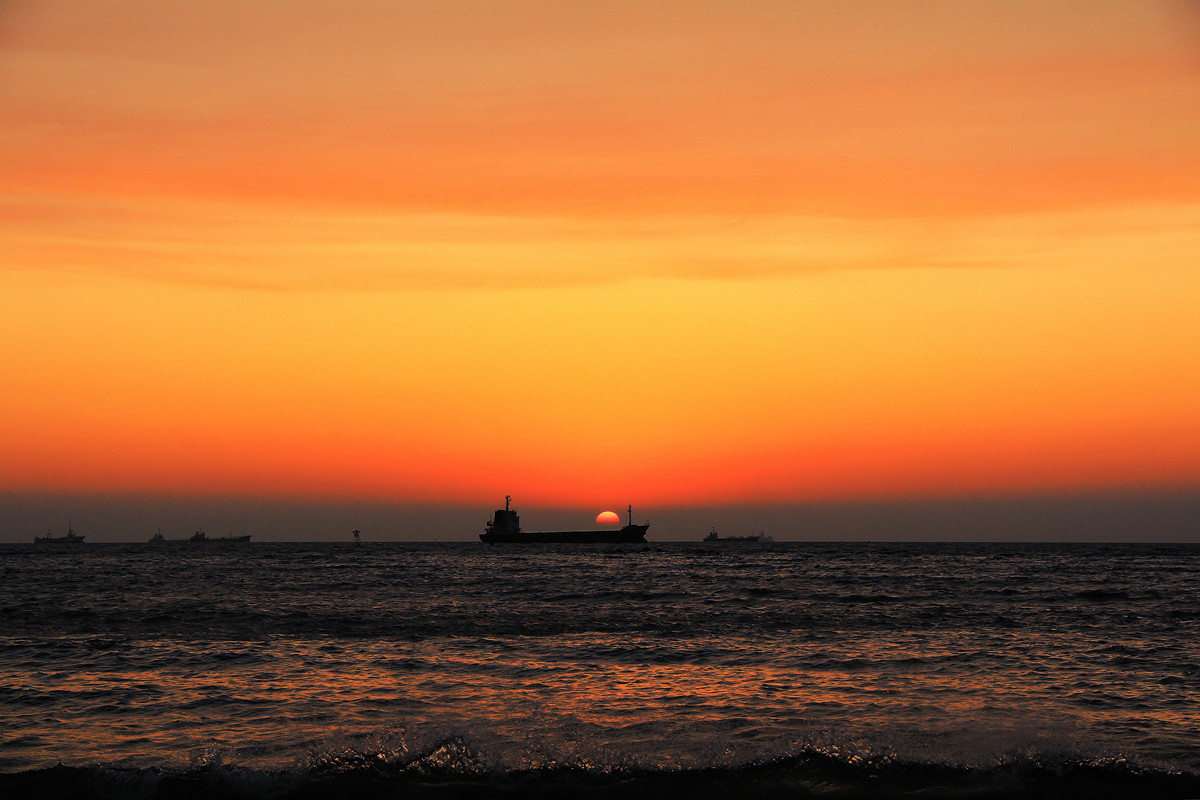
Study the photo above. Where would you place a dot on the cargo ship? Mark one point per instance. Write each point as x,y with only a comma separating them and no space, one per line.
71,537
202,537
761,538
505,526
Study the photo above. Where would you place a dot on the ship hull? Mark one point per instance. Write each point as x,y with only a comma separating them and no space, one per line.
630,534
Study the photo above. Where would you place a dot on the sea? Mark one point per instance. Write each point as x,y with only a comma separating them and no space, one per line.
786,669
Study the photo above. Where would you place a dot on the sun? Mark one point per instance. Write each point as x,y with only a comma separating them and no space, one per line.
607,518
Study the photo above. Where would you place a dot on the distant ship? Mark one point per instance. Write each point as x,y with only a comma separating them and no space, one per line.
201,536
506,527
70,538
713,536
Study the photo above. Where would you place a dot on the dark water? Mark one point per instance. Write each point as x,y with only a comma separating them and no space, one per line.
783,670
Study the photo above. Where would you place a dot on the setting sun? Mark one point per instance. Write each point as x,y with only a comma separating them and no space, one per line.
608,518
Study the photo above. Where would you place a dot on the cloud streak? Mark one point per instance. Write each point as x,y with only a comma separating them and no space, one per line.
296,250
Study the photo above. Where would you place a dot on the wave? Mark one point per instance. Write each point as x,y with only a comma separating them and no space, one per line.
451,768
1102,595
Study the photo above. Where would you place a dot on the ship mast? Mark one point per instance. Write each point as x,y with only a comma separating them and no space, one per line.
631,513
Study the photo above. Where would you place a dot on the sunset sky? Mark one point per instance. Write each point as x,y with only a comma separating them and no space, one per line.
592,253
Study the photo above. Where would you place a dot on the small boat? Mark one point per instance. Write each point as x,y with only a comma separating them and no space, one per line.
760,537
70,538
201,536
158,538
505,526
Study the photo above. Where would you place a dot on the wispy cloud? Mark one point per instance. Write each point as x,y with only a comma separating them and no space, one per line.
273,249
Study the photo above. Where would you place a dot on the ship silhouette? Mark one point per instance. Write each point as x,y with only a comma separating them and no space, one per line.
760,537
202,537
71,537
505,527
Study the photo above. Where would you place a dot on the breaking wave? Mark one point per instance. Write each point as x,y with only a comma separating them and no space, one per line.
451,767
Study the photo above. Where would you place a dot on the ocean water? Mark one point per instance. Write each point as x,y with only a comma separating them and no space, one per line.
439,670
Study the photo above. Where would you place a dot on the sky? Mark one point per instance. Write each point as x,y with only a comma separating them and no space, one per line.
680,254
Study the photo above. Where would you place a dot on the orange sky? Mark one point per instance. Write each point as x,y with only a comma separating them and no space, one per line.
594,252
